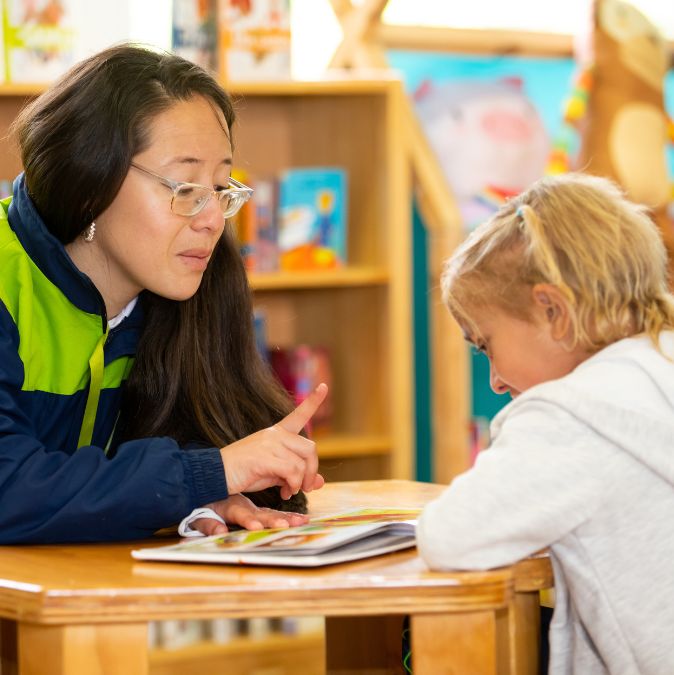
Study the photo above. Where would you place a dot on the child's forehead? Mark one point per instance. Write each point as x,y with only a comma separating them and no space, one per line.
469,323
479,320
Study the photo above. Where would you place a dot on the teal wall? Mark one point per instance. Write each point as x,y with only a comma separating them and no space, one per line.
424,461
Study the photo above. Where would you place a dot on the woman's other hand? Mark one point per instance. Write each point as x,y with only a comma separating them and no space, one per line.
239,510
277,455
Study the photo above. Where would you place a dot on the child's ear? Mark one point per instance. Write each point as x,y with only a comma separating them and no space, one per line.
552,309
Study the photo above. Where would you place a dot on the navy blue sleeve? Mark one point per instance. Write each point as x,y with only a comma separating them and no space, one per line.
49,496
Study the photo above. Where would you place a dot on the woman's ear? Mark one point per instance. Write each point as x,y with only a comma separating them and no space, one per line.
551,308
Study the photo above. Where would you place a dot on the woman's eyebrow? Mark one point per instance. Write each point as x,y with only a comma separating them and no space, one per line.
227,161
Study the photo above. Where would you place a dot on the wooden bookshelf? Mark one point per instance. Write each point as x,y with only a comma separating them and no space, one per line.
362,312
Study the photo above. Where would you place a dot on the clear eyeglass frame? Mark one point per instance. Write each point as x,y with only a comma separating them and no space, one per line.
189,199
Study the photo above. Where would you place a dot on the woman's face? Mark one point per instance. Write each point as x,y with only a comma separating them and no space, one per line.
139,242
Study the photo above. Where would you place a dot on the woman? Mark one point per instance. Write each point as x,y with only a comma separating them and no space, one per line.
114,246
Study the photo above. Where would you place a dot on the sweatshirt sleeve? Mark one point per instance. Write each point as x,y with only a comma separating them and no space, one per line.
49,496
539,480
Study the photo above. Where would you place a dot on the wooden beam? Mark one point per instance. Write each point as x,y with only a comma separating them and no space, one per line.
341,7
428,38
357,26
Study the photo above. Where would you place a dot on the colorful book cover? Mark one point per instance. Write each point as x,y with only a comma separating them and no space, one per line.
194,32
39,39
312,218
254,39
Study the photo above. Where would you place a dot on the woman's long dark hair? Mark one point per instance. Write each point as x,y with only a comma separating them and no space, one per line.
197,376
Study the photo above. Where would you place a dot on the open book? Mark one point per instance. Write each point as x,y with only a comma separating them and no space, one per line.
326,540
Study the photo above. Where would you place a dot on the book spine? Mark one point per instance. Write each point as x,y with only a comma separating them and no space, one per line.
193,32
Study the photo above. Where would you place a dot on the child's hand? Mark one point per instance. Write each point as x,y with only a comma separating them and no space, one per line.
239,510
277,455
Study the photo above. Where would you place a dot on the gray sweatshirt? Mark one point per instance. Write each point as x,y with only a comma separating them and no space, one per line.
585,465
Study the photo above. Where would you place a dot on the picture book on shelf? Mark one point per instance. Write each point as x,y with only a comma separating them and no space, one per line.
312,218
254,38
336,538
38,39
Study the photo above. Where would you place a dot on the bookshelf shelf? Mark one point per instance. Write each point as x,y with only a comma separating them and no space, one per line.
334,83
348,276
332,446
18,89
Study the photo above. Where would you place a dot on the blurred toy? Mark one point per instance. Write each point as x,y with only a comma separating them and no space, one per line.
623,127
488,137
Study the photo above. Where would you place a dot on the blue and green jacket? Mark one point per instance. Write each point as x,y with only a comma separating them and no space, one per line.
60,377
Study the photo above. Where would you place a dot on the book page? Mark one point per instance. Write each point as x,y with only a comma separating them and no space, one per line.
320,534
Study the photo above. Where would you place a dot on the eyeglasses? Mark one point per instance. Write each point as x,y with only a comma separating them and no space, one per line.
190,198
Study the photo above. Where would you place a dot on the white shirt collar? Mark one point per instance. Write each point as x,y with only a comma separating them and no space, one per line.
116,320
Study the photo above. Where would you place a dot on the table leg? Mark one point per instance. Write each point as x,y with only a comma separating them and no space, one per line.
101,649
525,633
8,654
458,643
364,645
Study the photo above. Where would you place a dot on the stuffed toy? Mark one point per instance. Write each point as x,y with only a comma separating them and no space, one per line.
617,107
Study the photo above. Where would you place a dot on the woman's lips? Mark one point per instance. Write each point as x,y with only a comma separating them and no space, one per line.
196,259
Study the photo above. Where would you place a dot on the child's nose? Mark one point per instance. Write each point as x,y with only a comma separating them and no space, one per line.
497,384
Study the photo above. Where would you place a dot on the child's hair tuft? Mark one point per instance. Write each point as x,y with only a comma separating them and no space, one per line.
581,234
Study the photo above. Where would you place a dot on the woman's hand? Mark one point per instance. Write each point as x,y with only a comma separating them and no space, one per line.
239,510
277,455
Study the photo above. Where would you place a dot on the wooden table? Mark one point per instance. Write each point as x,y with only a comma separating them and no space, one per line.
83,610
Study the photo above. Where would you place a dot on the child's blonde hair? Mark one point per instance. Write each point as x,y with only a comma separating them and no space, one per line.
579,233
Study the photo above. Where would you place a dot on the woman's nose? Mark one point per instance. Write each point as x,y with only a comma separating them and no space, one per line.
210,217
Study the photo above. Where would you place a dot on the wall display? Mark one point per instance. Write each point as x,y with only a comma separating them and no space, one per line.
489,139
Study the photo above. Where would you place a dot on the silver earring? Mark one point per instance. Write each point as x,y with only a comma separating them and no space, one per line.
89,232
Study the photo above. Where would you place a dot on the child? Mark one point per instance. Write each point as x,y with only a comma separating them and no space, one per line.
565,290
